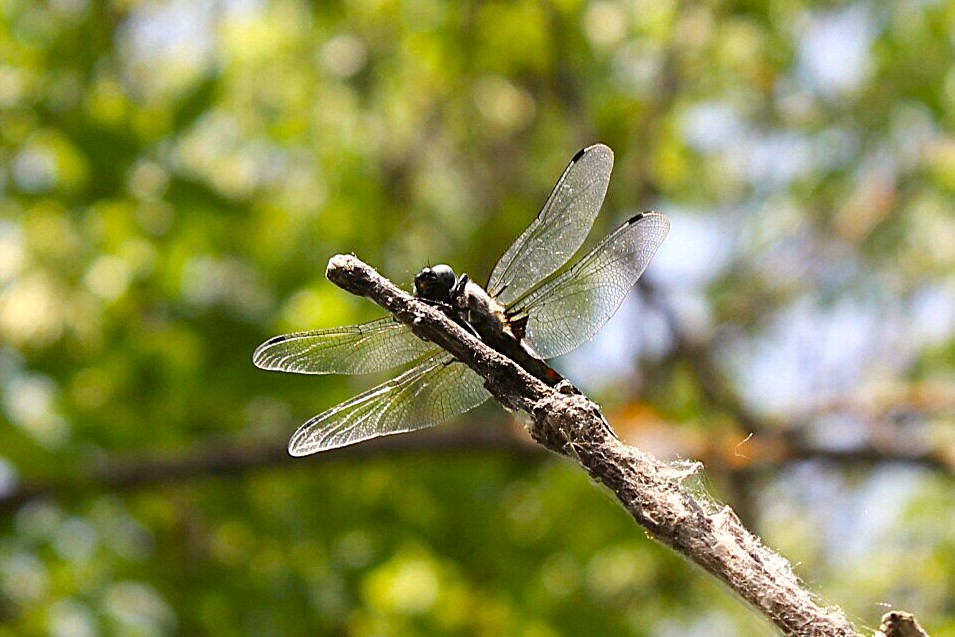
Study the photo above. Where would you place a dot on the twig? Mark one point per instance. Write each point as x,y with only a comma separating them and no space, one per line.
567,423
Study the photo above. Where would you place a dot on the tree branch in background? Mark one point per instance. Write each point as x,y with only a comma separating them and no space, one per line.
220,458
569,424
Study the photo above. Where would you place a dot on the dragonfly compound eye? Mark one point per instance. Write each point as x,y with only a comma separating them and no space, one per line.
435,283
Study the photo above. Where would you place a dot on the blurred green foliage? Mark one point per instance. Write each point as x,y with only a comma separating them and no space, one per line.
175,175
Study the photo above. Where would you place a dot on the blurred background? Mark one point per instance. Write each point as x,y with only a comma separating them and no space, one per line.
175,175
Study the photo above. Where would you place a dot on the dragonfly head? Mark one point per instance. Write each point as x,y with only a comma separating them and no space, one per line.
435,283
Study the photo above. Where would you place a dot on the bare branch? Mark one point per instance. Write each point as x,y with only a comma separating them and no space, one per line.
567,423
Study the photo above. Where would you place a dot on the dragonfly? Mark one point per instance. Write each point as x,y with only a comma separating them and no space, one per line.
532,309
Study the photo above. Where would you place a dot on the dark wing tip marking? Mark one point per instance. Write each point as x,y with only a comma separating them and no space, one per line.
261,357
259,354
646,213
587,149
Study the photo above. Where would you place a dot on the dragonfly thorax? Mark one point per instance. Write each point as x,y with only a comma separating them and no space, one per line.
435,283
481,311
465,301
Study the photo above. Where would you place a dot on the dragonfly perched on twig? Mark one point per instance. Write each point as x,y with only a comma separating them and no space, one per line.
528,311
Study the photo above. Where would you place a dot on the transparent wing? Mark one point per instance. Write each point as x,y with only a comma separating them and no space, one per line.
429,393
353,349
572,307
560,227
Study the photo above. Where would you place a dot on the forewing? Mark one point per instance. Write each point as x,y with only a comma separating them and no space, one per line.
560,227
573,307
353,349
433,391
